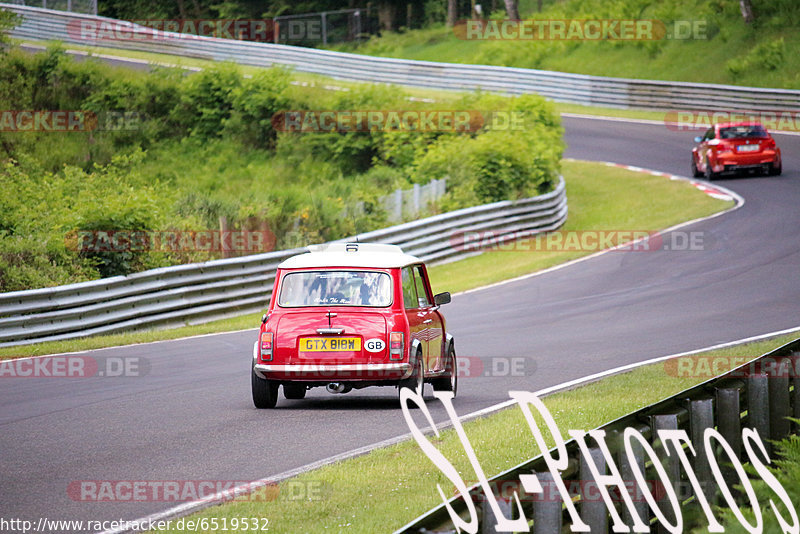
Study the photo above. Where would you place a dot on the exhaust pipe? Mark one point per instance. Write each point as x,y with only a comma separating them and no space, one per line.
337,387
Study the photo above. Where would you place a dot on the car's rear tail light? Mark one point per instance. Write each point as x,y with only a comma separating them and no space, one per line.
396,346
266,346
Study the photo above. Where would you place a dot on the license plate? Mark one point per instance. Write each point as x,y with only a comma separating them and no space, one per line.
747,148
330,344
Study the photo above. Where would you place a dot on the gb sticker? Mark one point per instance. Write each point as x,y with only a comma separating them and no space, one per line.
374,345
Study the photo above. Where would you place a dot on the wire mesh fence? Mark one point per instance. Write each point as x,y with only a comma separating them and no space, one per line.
76,6
326,27
409,203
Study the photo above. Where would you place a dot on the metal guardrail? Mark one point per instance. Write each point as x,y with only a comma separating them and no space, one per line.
41,24
201,292
753,395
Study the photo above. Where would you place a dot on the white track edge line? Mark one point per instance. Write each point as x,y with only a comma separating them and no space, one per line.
124,346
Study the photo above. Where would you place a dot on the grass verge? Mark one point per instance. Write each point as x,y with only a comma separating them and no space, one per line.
600,198
384,489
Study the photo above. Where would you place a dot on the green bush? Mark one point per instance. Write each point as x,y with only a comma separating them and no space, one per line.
207,100
786,469
201,148
518,158
255,102
766,56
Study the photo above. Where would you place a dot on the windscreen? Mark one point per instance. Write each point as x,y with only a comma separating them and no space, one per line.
336,288
742,132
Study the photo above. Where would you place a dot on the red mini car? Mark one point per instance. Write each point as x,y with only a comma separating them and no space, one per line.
735,146
348,316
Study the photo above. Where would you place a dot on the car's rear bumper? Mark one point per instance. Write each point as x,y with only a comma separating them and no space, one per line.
729,162
335,372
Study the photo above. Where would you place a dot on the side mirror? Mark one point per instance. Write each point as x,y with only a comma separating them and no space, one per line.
698,139
264,318
441,298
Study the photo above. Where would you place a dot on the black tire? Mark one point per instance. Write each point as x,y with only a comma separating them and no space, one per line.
449,382
265,392
294,391
695,173
775,170
710,174
416,382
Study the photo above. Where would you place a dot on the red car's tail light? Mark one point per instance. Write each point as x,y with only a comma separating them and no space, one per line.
396,346
266,346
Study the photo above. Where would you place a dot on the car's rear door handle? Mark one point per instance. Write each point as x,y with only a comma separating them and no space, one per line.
323,331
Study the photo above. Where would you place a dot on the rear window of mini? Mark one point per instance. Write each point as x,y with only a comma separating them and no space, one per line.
336,288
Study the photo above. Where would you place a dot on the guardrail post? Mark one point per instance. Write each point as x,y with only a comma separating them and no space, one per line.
729,423
626,471
397,214
729,417
671,463
779,400
758,406
415,199
794,358
701,416
593,508
488,519
547,513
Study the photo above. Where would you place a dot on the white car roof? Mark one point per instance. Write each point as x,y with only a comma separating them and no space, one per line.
360,255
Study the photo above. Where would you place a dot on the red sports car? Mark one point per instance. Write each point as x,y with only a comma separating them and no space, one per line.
735,146
348,316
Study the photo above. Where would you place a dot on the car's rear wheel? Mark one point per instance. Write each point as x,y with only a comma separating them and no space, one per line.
775,169
416,381
710,174
449,382
265,392
294,391
695,172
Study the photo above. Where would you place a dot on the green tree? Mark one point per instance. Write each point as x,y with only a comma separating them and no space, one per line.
8,20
